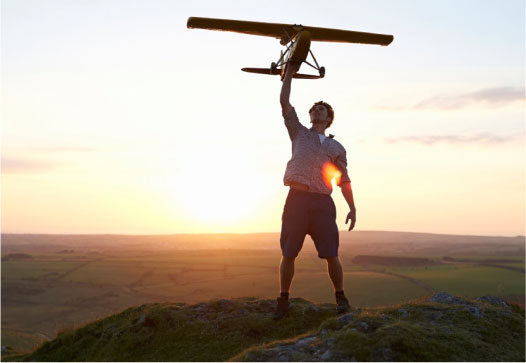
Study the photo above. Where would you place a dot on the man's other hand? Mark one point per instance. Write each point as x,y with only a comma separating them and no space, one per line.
352,217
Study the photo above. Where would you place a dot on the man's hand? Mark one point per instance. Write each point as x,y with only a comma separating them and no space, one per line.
352,217
293,67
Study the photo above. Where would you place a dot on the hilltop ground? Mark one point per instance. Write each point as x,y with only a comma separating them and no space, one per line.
55,282
435,328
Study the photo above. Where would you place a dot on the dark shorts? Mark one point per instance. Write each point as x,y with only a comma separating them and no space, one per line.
313,214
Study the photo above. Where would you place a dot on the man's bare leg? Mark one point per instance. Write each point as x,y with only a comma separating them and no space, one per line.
334,267
286,273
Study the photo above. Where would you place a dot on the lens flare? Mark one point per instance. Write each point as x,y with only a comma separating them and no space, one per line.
330,172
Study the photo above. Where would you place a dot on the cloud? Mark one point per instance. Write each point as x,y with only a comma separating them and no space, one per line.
10,165
489,97
495,97
482,138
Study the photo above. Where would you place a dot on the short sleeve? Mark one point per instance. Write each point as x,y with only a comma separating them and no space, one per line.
292,123
341,164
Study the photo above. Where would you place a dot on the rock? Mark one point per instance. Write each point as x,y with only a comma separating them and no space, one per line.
475,311
306,341
346,319
141,319
436,316
330,342
384,354
354,330
146,321
403,313
200,307
493,300
385,317
6,349
283,357
327,355
445,298
362,326
314,308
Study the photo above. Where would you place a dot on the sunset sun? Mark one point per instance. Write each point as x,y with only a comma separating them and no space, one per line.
219,192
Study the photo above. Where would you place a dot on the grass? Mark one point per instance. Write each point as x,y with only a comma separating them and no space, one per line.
171,332
472,280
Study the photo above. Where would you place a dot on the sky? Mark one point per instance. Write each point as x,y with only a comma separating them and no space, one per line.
118,119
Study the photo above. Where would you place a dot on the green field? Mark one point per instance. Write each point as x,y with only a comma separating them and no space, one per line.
56,291
471,280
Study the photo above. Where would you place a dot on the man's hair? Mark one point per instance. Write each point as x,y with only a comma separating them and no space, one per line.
330,111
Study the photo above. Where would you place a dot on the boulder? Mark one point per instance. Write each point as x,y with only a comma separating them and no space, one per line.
493,300
443,297
346,319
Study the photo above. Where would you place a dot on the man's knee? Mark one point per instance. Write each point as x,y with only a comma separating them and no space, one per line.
287,259
333,259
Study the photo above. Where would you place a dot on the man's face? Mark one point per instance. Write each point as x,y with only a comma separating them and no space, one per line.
319,114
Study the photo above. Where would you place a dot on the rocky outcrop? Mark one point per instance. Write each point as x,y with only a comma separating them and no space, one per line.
440,327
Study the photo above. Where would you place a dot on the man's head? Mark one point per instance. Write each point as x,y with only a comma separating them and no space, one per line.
321,112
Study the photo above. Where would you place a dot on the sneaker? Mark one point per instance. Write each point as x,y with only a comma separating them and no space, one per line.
281,309
343,304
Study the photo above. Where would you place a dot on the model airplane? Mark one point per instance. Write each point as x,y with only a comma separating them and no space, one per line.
296,38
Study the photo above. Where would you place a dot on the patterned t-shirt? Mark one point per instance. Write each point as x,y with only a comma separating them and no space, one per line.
314,163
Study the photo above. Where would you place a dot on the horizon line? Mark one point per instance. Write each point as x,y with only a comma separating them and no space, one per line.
246,233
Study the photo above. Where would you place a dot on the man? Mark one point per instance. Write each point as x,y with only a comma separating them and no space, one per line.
309,208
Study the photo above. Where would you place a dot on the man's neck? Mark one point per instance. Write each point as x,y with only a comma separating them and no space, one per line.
319,128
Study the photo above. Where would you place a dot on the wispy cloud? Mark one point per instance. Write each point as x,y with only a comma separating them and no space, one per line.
10,165
481,138
489,97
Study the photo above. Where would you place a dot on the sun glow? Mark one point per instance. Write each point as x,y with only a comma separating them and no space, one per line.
223,194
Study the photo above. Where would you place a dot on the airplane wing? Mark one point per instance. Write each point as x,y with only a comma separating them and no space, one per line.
280,31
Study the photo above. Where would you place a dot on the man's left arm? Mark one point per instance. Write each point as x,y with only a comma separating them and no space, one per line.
345,185
347,194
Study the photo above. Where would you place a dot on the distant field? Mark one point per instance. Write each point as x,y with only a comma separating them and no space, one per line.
56,291
472,280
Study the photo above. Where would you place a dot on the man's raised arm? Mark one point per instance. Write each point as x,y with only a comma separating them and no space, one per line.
291,119
292,68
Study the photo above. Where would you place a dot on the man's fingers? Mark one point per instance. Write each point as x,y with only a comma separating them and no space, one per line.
352,225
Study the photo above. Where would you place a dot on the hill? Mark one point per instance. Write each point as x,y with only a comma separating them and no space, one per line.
436,328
